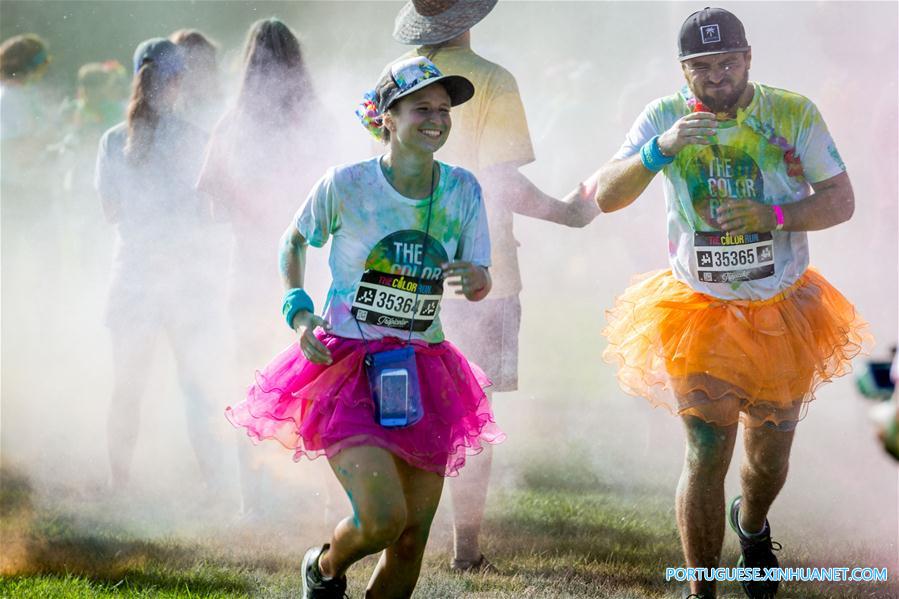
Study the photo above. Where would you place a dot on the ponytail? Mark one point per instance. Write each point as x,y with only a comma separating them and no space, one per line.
142,118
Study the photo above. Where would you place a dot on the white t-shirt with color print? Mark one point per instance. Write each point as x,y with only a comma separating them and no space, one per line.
746,161
383,267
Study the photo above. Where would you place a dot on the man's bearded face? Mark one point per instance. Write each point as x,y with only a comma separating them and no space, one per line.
718,80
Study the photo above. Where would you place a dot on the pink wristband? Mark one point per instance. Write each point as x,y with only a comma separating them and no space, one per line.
778,216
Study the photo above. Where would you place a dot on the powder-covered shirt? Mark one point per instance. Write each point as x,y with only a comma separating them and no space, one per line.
488,130
770,153
159,215
386,273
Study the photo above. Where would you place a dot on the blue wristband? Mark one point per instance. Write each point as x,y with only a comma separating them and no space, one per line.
296,299
652,156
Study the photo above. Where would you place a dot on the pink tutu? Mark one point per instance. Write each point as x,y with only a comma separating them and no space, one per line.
315,409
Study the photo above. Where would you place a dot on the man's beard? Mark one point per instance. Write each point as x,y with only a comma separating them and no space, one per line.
726,103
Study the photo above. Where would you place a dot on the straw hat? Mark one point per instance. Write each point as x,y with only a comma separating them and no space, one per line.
427,22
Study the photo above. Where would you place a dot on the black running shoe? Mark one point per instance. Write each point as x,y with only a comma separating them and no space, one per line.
314,584
757,552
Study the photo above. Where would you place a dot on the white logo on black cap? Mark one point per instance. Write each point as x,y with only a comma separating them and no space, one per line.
710,34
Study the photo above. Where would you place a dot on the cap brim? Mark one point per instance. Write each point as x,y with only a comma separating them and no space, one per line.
698,54
459,88
413,28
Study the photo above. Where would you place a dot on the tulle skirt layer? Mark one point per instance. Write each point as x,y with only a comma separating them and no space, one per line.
714,359
315,409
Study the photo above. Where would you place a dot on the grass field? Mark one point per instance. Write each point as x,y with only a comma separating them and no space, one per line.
581,505
551,535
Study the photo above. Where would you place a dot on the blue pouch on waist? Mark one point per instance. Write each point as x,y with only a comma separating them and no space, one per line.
393,379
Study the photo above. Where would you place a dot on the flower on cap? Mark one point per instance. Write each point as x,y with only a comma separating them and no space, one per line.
369,116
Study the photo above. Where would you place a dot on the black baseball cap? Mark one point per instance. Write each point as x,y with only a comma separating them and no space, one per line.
711,31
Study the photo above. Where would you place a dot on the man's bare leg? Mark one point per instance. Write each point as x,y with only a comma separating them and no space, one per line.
763,473
700,495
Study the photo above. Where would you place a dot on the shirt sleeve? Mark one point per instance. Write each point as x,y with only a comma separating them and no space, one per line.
505,136
641,132
107,181
316,219
474,243
816,148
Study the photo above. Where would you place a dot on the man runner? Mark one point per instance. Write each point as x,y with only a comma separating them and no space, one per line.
739,329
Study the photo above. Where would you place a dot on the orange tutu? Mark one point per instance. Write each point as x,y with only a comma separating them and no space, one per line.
702,356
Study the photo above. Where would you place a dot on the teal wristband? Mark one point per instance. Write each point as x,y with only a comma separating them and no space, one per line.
652,156
295,300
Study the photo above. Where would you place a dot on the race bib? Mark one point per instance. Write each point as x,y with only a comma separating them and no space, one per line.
402,282
726,258
391,300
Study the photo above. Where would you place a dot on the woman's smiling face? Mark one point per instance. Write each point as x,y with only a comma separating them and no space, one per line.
421,121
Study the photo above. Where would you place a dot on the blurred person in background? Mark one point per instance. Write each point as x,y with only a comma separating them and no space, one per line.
200,101
264,153
29,210
24,60
491,139
101,97
146,173
740,329
100,100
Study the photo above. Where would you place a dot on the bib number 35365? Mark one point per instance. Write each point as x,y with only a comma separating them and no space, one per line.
725,258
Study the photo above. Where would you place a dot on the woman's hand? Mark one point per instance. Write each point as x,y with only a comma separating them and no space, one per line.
473,281
305,323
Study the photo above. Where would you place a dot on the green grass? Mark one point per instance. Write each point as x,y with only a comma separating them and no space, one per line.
550,538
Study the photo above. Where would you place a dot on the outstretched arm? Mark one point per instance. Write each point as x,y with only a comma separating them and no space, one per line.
505,184
620,182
